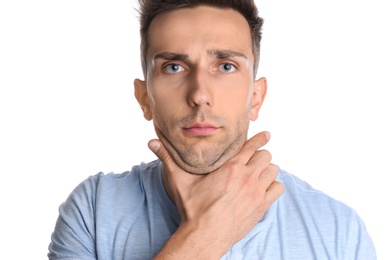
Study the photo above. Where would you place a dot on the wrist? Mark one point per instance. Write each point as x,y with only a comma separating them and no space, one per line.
191,242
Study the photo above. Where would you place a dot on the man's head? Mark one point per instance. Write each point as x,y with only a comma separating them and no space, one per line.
247,8
199,87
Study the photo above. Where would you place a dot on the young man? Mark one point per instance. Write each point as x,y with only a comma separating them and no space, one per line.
212,194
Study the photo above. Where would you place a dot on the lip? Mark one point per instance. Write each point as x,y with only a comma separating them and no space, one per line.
200,129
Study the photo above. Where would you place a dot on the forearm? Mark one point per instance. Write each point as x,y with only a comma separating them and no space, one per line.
193,243
220,208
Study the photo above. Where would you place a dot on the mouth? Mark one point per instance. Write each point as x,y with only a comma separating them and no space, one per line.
200,129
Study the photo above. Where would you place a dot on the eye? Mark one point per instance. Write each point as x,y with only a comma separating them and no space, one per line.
173,68
227,67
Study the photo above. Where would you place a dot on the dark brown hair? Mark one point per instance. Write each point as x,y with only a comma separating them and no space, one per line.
150,8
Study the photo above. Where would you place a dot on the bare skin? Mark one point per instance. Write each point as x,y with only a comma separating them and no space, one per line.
199,89
218,209
201,94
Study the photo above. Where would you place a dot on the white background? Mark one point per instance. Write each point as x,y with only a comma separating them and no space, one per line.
67,109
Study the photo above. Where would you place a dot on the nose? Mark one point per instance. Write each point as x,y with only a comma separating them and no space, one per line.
200,89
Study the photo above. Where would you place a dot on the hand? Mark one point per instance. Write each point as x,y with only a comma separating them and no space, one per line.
220,208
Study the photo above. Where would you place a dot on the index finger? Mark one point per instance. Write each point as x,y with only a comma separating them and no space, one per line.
252,145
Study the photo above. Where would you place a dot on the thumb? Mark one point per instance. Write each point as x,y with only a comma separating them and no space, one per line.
175,174
159,150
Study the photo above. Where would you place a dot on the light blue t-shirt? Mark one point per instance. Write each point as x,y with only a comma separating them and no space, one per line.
130,216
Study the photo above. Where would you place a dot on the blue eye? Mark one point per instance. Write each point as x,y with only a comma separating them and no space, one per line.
227,67
173,68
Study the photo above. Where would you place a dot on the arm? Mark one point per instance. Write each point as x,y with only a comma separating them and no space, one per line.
218,209
74,234
362,246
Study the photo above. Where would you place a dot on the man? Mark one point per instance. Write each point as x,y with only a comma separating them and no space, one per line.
212,194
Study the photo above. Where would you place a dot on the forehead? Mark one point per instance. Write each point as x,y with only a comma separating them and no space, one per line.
199,29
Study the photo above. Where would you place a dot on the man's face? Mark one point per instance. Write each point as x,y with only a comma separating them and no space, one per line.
200,90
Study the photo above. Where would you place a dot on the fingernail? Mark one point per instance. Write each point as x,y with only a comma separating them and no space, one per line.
268,135
154,146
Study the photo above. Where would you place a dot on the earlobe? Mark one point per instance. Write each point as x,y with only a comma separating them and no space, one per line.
141,94
259,93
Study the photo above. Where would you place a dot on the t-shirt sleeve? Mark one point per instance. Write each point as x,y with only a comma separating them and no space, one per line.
74,233
362,246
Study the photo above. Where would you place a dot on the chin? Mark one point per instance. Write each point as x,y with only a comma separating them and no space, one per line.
195,165
202,161
198,170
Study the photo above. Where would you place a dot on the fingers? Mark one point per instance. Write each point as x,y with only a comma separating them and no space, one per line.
260,160
274,191
252,145
268,183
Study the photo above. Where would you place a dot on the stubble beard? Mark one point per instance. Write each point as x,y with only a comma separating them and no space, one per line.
202,160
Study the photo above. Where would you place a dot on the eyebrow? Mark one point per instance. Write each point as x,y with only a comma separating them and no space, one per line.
170,56
224,54
219,54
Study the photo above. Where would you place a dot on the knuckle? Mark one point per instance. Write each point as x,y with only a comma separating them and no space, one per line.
232,166
255,142
164,157
273,169
265,154
276,191
259,140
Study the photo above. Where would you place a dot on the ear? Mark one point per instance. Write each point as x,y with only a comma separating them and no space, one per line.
141,94
259,93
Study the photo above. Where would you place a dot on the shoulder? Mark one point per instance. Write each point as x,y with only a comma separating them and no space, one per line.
323,216
96,201
319,209
101,190
299,190
114,181
310,205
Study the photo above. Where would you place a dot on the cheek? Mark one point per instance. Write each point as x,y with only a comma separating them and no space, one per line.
164,111
236,98
167,101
